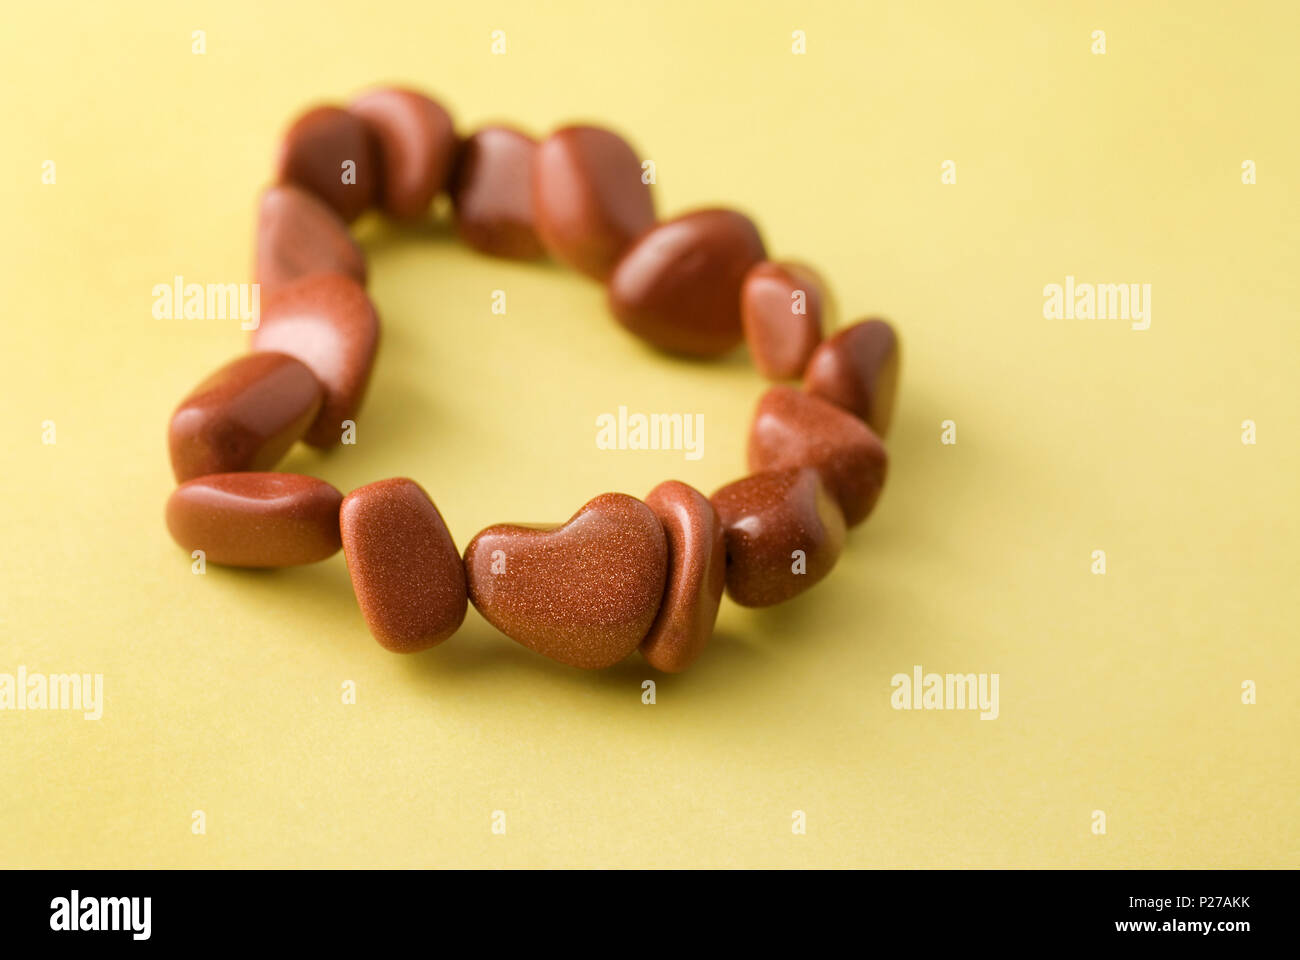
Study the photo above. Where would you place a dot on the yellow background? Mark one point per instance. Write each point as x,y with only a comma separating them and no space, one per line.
1119,693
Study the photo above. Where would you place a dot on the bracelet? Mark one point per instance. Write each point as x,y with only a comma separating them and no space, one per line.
622,573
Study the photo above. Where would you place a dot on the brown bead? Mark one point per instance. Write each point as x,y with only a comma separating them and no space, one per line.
858,370
697,571
328,323
298,235
417,146
794,429
784,533
585,592
588,197
243,417
405,568
492,193
256,519
783,307
314,153
678,285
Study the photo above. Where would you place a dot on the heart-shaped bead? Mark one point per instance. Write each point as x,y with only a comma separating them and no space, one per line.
328,323
794,429
584,592
784,533
857,369
298,235
678,285
697,570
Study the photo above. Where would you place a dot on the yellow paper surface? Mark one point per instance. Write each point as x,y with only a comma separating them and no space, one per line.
1119,693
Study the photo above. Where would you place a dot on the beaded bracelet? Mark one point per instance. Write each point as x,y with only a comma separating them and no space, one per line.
622,573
